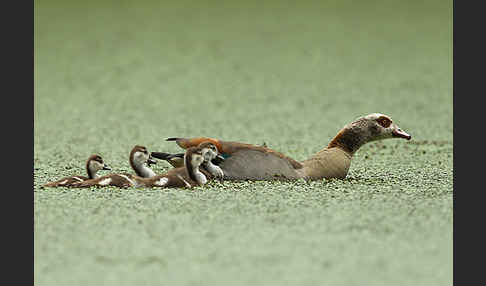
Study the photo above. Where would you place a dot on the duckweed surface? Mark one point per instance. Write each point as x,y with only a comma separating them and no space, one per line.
112,74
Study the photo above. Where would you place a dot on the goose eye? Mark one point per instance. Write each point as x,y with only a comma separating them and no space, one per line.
385,122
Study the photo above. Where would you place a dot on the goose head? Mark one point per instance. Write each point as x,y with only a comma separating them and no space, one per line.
94,164
140,156
372,127
377,126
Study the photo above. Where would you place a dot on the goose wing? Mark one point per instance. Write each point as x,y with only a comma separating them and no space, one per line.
228,148
250,164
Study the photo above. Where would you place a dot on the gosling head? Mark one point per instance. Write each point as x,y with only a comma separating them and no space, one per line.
210,151
212,159
94,164
194,157
372,127
140,155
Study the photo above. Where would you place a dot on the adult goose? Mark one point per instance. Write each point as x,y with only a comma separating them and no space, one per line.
251,162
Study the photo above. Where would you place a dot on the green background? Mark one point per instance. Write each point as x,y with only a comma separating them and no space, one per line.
112,74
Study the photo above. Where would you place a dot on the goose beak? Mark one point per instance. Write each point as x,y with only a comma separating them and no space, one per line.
399,133
218,159
106,167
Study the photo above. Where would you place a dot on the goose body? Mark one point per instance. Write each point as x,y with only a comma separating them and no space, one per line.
93,165
251,162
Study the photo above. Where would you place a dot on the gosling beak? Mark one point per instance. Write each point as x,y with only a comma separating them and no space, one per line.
218,160
151,161
106,167
397,132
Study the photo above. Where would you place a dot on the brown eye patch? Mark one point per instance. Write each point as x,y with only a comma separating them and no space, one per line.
384,121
